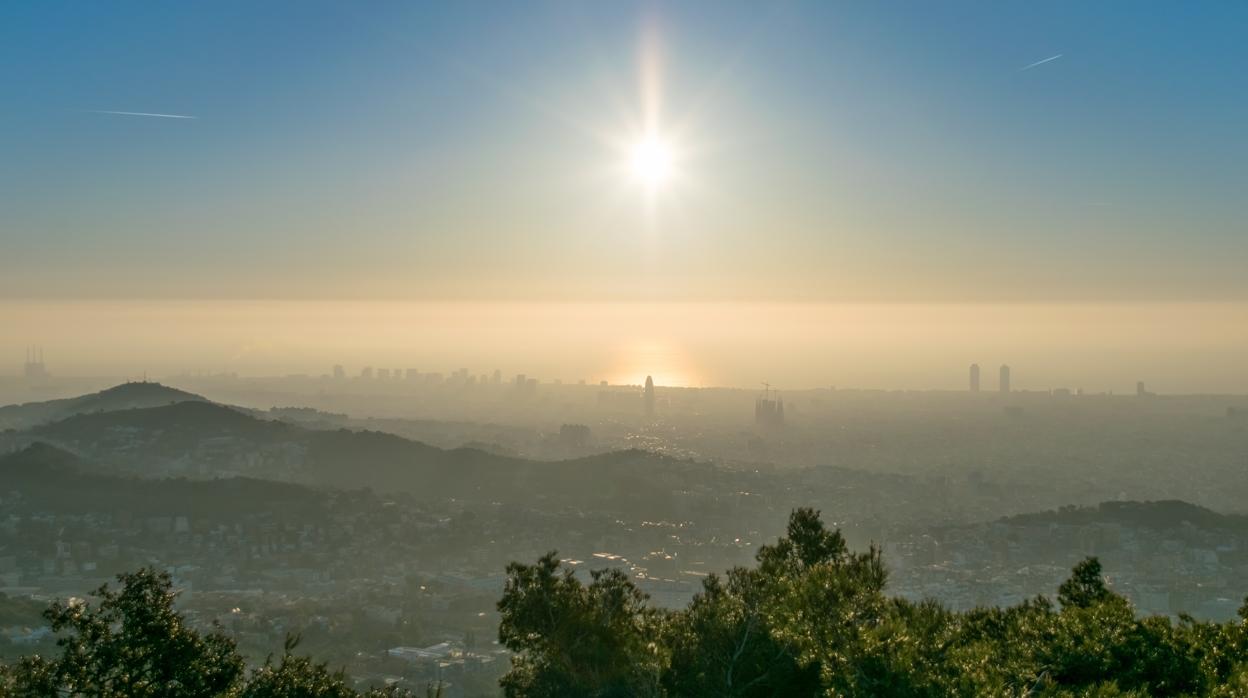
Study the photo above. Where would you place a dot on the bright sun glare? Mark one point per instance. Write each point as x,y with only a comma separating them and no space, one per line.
651,161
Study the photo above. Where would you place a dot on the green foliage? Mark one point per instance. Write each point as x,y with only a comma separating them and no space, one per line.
295,676
723,645
812,618
570,638
1086,586
133,644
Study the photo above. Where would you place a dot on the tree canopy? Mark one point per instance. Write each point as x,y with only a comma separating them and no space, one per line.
812,618
132,643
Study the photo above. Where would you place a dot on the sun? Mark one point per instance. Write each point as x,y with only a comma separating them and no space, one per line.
652,162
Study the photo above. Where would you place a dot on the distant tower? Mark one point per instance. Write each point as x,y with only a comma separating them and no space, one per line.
1139,389
974,378
1005,379
647,397
339,372
769,409
35,369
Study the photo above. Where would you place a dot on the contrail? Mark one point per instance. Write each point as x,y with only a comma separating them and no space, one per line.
1046,60
140,113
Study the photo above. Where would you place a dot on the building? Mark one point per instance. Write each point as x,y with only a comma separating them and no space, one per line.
974,378
339,372
647,397
1005,380
34,368
769,409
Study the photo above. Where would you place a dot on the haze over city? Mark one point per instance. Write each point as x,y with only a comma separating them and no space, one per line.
653,349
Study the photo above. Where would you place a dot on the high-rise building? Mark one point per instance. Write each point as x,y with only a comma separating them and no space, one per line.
339,372
1005,379
974,378
647,397
366,373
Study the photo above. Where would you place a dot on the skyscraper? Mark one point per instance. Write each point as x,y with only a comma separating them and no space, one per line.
1005,379
647,397
974,378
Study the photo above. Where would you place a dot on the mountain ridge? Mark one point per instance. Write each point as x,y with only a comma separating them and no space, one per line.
121,396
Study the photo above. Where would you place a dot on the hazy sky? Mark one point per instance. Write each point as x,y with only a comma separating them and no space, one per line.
1185,347
822,152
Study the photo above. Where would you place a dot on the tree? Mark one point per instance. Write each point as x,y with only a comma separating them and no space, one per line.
134,644
1086,586
812,618
295,676
724,644
808,543
574,639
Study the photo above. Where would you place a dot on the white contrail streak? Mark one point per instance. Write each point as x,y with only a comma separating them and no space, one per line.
141,113
1042,62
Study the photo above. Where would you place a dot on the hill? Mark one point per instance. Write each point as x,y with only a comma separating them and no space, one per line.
205,440
47,478
169,426
118,397
1164,514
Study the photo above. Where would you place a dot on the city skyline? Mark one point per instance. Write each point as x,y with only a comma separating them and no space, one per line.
36,373
1179,348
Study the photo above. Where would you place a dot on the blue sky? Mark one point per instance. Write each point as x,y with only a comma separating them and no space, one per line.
835,151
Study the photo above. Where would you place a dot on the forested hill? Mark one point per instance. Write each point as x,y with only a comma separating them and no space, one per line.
1164,514
118,397
43,478
179,425
206,440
